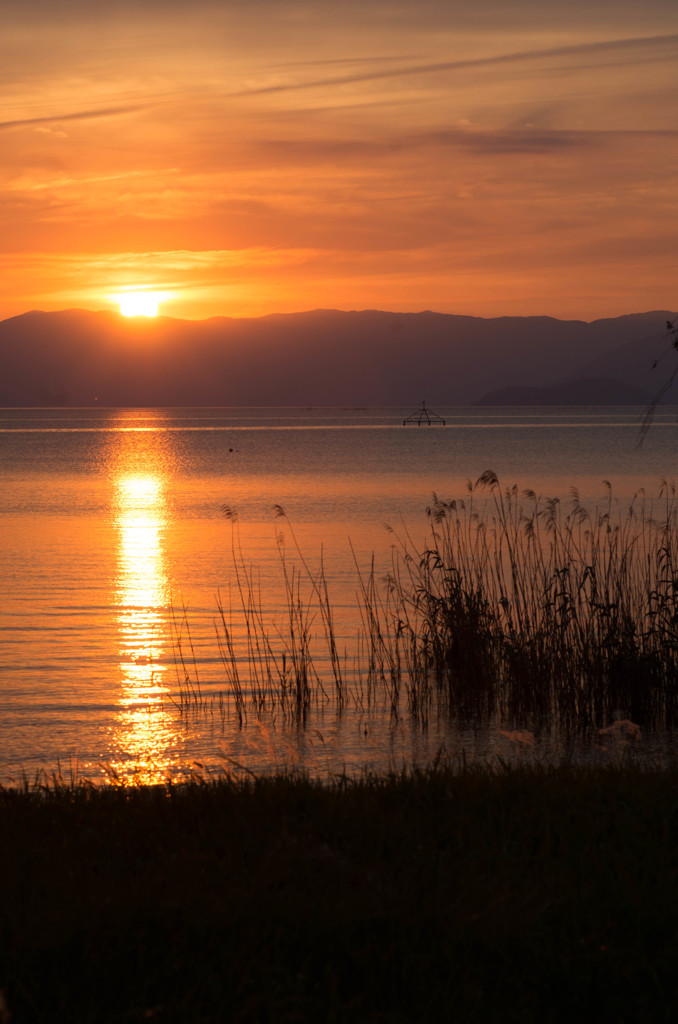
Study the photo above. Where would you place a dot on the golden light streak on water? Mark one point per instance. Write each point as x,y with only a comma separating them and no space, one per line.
145,731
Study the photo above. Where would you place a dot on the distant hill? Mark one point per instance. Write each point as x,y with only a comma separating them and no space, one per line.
632,362
583,391
320,357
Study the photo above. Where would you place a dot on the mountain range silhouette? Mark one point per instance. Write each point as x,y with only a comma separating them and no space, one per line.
329,357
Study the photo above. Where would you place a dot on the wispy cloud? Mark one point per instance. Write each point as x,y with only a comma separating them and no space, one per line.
519,139
347,61
534,140
580,49
78,115
53,184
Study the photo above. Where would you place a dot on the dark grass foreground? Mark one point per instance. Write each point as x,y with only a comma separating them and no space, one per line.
511,895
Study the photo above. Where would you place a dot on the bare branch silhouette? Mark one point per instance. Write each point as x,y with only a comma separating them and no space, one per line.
648,416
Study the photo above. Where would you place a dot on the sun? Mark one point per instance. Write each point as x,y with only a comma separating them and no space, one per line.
139,303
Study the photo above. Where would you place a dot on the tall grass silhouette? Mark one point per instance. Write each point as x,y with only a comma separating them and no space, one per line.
519,607
526,607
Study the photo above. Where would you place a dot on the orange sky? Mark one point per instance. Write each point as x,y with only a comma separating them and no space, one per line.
484,158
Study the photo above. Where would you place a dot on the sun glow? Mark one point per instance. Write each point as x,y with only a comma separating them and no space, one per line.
138,303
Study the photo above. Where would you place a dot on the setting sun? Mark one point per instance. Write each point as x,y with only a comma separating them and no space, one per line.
139,303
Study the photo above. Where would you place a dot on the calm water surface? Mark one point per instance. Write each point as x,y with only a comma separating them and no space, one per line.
112,525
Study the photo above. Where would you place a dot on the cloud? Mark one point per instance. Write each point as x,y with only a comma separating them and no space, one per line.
403,12
524,138
80,115
54,184
521,56
45,130
534,140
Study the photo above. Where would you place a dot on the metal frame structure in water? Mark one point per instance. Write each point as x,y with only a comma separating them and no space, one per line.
424,415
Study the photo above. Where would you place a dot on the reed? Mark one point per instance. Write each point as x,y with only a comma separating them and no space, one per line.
527,608
519,608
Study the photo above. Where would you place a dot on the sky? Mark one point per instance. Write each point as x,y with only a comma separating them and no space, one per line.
484,158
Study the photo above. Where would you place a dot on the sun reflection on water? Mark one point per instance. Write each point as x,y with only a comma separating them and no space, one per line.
145,732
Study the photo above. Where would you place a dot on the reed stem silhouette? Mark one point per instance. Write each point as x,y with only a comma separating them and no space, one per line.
521,608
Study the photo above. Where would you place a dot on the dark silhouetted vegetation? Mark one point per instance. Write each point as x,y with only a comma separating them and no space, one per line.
520,609
648,416
526,895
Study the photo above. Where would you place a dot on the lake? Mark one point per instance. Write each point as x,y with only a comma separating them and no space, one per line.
115,553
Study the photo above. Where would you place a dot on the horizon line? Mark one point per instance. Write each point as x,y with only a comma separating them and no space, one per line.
325,309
